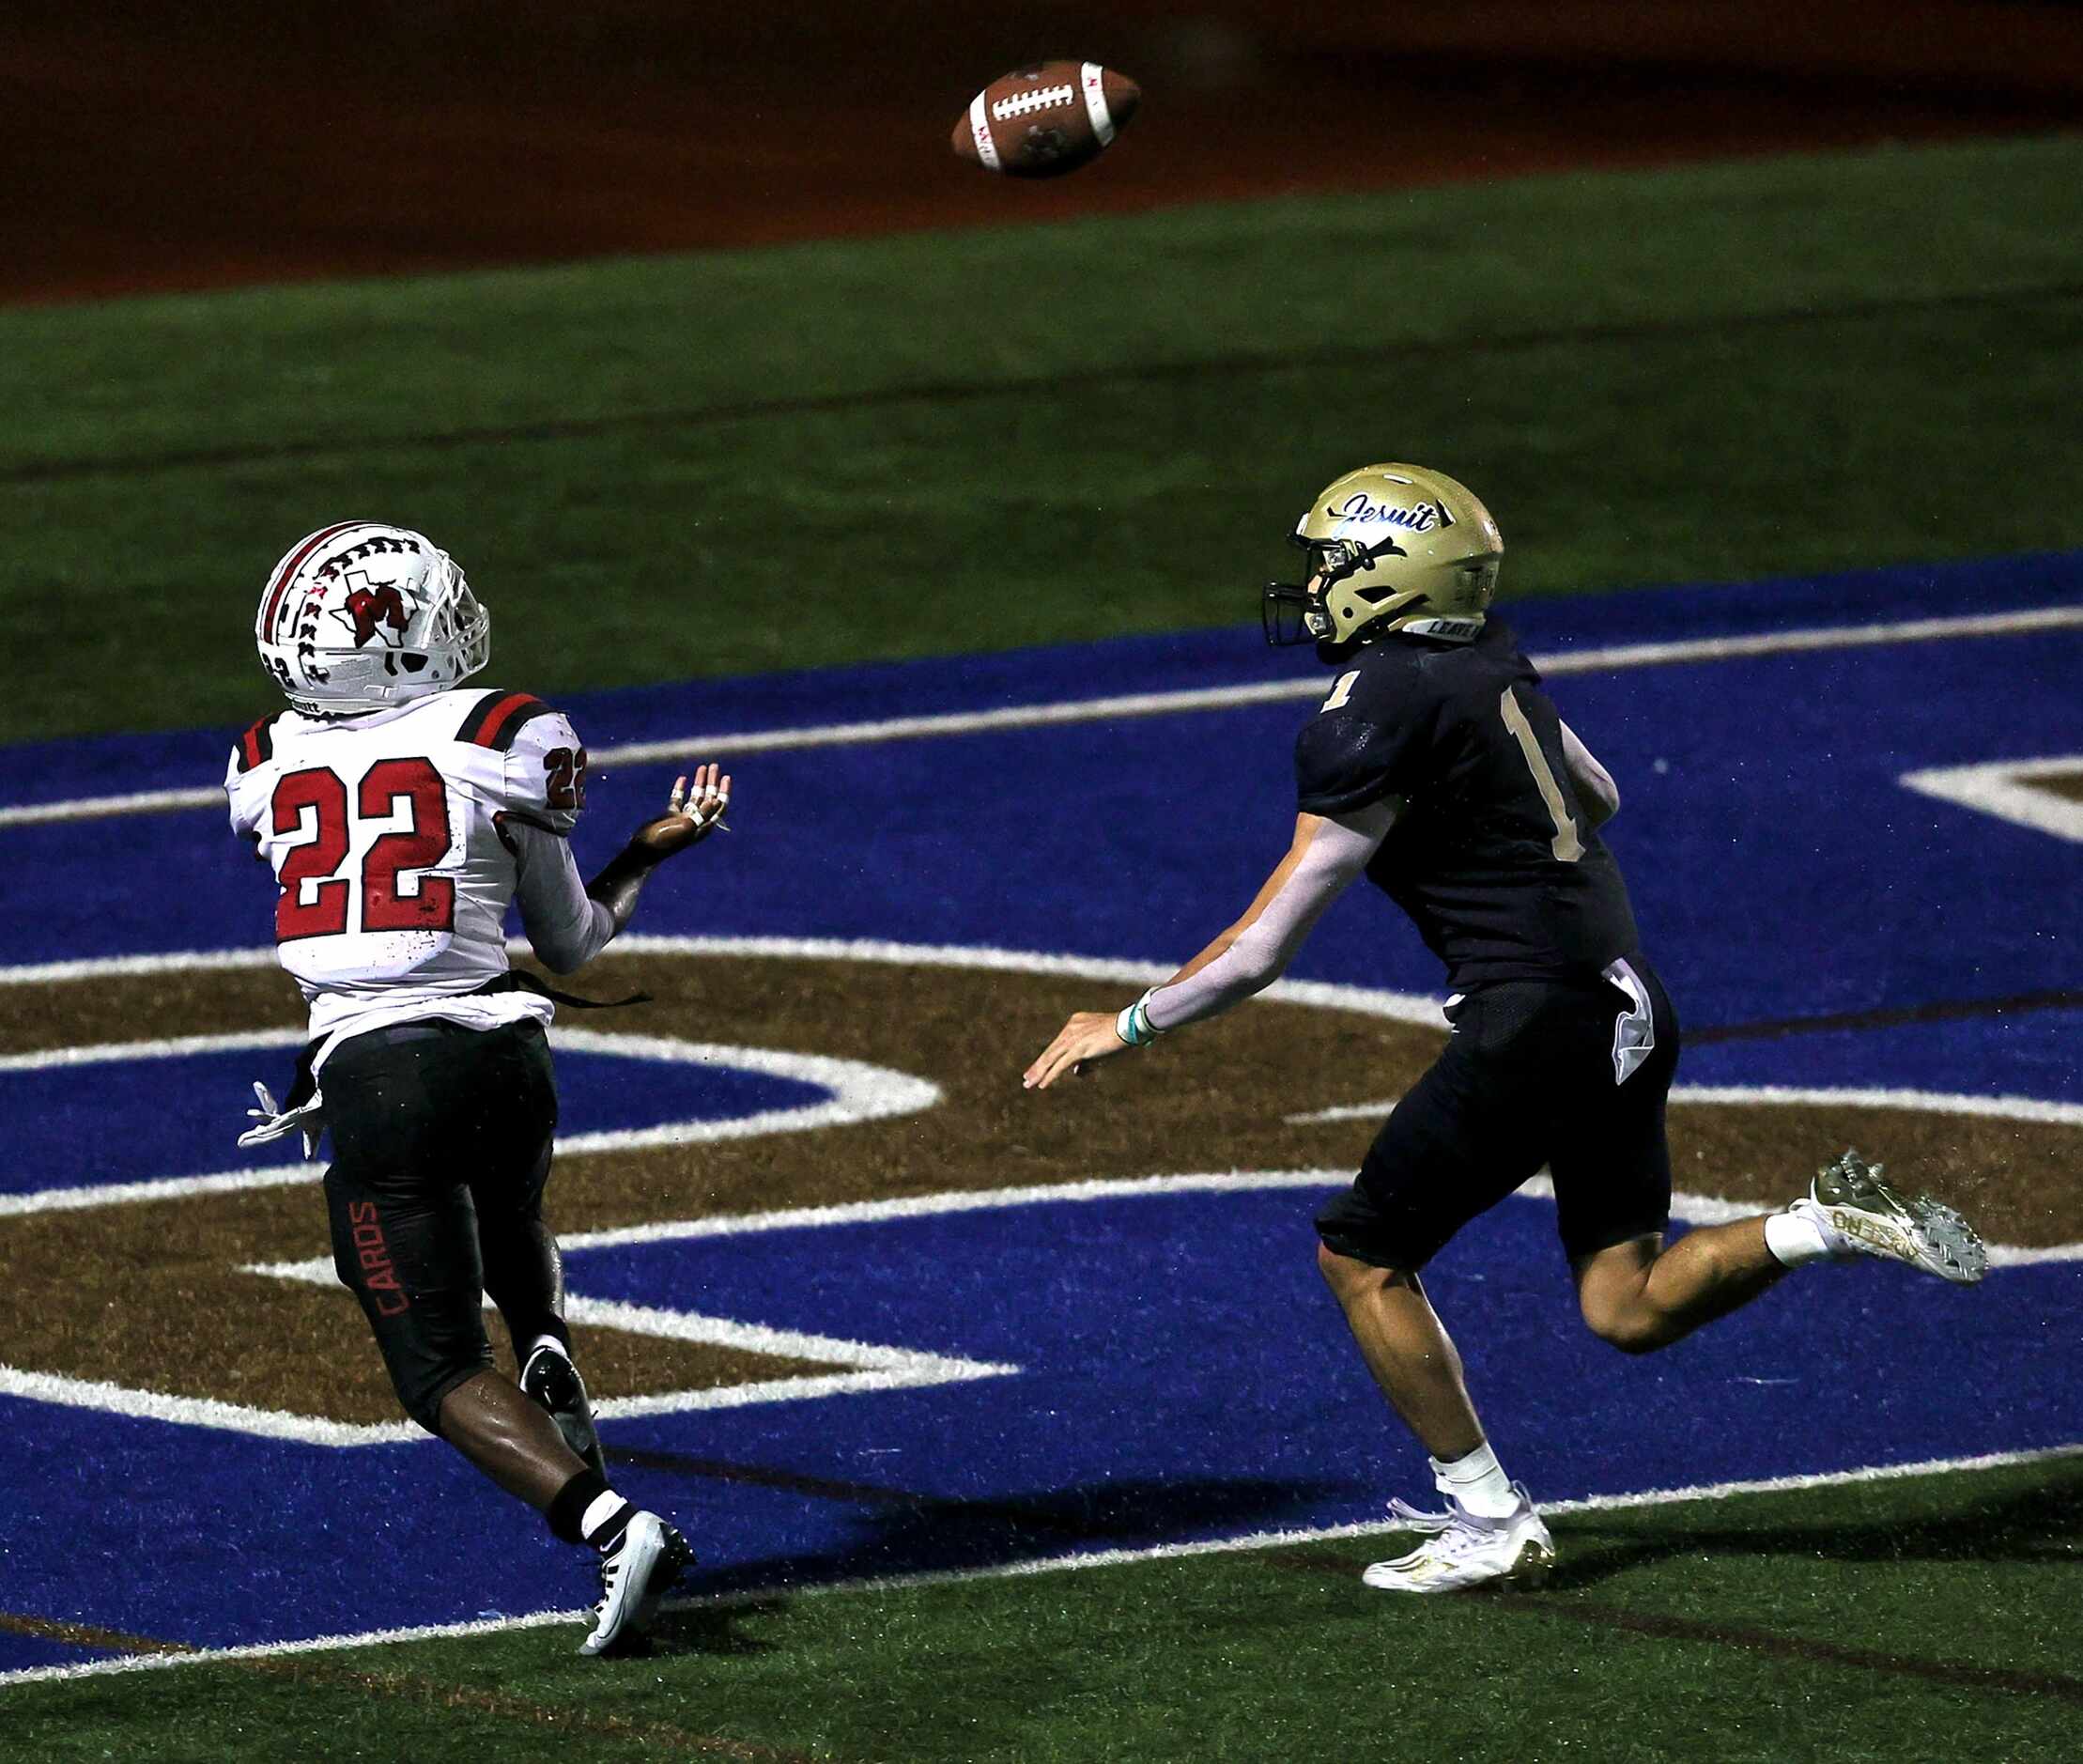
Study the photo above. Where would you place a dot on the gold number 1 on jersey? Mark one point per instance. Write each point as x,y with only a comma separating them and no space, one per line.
1567,846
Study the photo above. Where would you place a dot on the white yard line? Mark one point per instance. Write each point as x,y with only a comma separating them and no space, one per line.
877,1367
1044,1565
1327,995
1715,1209
1765,1096
855,1092
730,745
1405,1007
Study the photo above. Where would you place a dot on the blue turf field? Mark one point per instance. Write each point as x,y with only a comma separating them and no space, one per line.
1182,1374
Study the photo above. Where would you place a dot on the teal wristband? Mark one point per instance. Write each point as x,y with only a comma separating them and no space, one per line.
1133,1024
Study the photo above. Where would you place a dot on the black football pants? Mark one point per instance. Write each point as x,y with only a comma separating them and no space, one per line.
1532,1075
442,1145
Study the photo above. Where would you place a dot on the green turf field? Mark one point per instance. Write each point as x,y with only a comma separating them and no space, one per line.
674,466
1903,1620
671,466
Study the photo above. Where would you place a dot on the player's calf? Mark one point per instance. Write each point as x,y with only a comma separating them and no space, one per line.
1631,1327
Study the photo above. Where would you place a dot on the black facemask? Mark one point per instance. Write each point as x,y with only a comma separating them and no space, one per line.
1289,614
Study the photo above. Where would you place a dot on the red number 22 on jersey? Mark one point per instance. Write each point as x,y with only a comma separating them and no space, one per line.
422,842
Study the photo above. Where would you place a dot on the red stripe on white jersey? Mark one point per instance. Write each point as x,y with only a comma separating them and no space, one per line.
491,725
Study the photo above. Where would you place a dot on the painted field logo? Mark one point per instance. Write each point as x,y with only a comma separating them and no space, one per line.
209,1298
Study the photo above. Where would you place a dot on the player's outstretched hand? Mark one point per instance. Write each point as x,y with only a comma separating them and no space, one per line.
693,812
1088,1036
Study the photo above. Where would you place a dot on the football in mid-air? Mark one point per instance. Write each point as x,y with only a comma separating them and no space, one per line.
1047,119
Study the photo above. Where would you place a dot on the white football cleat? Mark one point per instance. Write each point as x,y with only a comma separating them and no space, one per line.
1860,1214
1463,1549
634,1576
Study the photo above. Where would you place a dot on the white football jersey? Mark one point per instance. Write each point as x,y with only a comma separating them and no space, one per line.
383,832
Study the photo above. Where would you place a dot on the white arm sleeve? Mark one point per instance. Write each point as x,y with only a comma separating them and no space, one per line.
567,928
1340,852
1592,780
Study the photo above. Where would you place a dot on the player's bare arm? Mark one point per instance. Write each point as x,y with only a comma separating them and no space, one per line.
1092,1034
1325,854
1597,794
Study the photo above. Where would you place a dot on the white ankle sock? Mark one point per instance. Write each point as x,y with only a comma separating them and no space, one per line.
1479,1482
599,1510
541,1343
1793,1239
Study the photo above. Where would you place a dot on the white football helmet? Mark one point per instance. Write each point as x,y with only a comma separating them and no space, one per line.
360,616
1389,548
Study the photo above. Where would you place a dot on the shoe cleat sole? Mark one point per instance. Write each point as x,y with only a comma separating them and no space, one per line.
1875,1216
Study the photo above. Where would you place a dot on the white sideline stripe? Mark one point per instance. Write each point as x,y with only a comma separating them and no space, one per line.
724,1332
2002,788
95,808
159,1188
927,1369
1934,1102
152,1405
730,745
1424,1009
1031,1566
677,1325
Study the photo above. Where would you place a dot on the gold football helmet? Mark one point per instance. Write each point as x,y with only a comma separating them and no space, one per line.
1390,548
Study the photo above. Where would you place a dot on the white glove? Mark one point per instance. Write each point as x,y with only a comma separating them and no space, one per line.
276,1123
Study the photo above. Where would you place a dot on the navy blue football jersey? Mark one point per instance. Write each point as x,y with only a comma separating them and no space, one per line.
1492,857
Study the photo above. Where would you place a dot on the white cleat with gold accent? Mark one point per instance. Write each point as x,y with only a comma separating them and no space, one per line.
1463,1549
1860,1214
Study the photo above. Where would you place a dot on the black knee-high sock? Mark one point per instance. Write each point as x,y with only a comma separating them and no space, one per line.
568,1507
